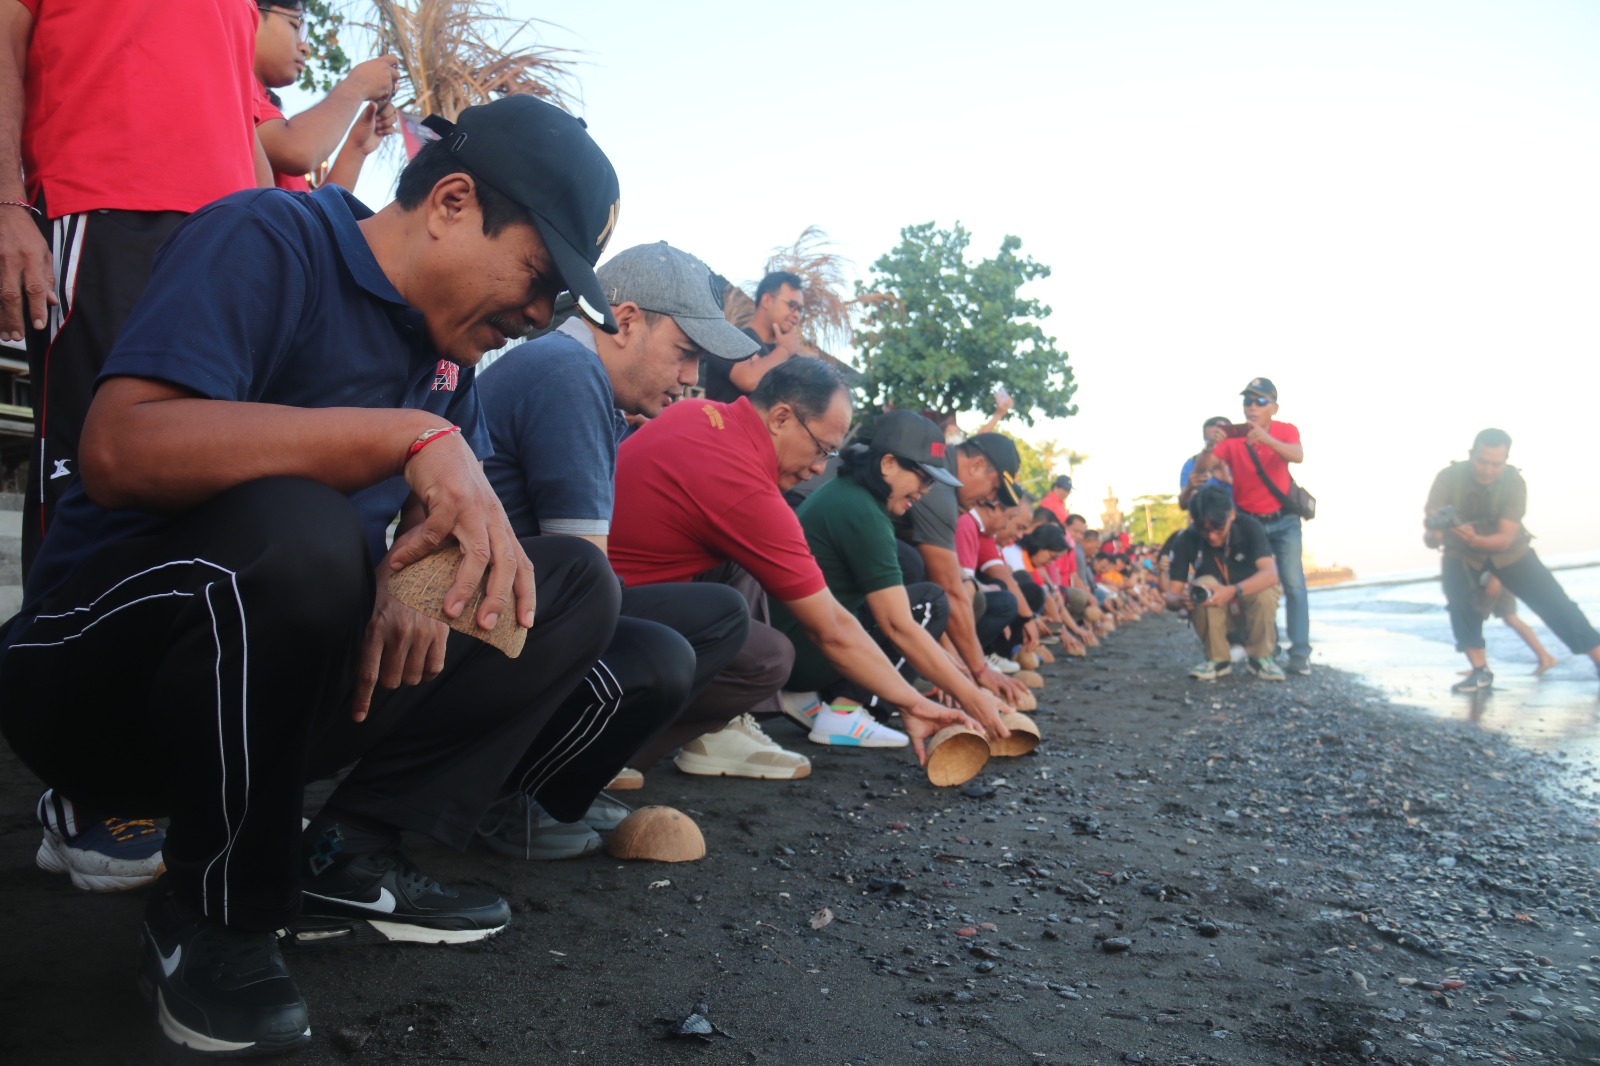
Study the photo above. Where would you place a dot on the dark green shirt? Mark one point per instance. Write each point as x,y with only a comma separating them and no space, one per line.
1482,507
850,535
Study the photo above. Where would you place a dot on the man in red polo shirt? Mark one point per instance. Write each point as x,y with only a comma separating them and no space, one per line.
1276,445
117,120
702,486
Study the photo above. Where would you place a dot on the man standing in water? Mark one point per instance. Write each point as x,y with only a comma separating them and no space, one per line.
1474,512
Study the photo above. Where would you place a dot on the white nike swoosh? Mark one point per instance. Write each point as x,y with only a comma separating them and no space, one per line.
384,903
169,964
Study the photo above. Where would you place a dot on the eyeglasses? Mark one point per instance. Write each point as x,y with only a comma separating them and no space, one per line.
913,467
822,449
302,26
1258,401
794,305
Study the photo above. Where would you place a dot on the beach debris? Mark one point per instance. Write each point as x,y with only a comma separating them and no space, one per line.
821,918
657,834
695,1024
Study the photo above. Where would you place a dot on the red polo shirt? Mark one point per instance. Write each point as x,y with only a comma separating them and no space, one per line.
267,111
139,105
1250,494
697,486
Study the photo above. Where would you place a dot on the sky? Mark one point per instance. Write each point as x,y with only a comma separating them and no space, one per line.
1390,209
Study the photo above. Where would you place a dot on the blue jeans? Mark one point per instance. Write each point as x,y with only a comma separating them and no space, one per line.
1283,533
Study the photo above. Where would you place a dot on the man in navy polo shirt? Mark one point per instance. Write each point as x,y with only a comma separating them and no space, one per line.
203,630
555,409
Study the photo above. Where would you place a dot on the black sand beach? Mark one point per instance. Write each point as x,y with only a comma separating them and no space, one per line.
1293,873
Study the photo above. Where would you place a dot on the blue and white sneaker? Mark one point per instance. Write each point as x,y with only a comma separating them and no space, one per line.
854,728
99,854
800,707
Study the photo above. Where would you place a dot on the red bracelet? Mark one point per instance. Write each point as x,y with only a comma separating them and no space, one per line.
428,438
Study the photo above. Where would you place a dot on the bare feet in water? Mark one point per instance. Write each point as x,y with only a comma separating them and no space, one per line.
1546,661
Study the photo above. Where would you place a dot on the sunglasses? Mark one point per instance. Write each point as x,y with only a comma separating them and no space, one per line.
1258,401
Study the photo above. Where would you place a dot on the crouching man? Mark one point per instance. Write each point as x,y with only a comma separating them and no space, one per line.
1223,570
206,626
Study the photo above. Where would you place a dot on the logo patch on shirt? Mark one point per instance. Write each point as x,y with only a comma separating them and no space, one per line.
446,376
714,415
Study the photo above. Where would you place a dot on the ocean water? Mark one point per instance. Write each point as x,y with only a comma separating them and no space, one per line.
1393,630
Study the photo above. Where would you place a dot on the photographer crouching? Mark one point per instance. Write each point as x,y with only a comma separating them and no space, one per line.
1474,512
1223,571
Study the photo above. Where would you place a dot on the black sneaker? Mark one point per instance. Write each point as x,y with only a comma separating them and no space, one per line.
1480,678
1299,664
380,896
218,989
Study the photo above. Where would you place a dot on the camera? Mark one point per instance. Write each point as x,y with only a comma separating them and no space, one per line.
1199,594
1442,519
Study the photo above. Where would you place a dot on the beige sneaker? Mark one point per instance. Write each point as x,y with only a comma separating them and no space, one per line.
626,780
741,749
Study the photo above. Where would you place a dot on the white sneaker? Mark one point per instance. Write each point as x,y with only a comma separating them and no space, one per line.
855,729
741,749
802,707
1002,664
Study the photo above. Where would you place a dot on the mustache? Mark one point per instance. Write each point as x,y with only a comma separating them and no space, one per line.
513,329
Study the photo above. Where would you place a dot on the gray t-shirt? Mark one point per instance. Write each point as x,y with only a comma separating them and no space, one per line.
555,428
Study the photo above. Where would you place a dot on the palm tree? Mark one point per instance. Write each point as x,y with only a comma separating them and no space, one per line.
456,53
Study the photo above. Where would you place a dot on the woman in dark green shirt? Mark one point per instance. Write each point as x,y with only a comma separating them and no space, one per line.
847,523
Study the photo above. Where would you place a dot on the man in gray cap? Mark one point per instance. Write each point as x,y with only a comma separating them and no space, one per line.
556,410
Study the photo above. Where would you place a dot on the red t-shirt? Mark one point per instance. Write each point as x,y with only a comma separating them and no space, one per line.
697,486
266,110
139,105
1250,494
975,549
1055,505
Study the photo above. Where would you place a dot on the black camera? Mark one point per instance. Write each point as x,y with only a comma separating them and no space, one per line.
1199,594
1442,519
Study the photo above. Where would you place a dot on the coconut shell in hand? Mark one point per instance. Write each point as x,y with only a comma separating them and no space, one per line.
956,755
422,587
657,834
1027,660
1029,678
1023,739
1026,702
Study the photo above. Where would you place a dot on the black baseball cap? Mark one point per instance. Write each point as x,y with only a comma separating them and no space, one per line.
1062,482
907,435
1261,387
544,160
1002,455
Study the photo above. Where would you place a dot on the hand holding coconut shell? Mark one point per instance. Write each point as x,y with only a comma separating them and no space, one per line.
923,718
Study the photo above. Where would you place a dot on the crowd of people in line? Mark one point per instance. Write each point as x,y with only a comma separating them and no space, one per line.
257,402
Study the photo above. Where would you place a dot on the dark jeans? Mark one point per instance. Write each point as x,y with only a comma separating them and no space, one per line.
930,609
749,682
670,643
996,610
1032,591
1530,581
206,672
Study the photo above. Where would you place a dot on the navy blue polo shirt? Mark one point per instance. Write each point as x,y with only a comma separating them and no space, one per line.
268,296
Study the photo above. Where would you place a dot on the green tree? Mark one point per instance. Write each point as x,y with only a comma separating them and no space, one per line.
1156,517
942,333
328,62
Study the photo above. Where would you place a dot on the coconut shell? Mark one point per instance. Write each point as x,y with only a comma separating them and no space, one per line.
1023,739
1027,660
956,755
1029,678
1027,702
1045,656
422,586
1078,651
657,834
1093,614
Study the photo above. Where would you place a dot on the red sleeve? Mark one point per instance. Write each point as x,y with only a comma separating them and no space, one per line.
988,552
264,109
762,534
1287,432
967,542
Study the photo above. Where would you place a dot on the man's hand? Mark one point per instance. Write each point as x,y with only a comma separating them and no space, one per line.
27,283
987,710
1258,435
1001,685
376,79
372,125
924,718
1467,534
402,647
1030,631
1222,595
460,504
785,343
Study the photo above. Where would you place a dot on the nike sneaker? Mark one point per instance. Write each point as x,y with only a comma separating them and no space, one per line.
380,896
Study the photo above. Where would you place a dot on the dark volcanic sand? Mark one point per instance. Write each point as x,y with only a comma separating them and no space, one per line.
1302,873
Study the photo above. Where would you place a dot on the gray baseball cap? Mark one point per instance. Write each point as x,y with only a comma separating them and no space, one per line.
660,278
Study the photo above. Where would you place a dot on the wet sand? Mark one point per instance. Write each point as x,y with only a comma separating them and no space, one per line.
1300,873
